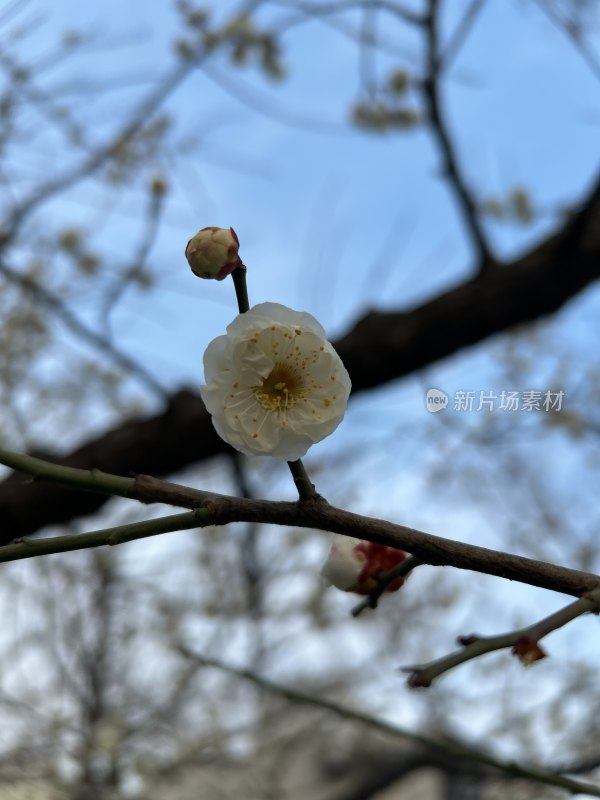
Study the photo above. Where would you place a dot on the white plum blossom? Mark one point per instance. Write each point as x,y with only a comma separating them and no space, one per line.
274,384
213,253
354,565
343,566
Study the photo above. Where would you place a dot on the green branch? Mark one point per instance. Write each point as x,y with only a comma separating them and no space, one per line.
93,480
28,548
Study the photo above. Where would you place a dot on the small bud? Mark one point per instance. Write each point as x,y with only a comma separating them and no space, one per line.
528,650
399,81
416,681
158,185
354,565
521,206
465,641
213,253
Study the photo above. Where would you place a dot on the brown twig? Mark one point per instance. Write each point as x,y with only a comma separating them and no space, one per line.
439,129
306,489
429,549
399,571
524,642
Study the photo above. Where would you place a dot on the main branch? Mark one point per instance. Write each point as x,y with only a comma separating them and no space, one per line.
314,513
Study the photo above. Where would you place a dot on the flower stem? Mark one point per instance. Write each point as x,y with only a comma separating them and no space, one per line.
241,291
306,490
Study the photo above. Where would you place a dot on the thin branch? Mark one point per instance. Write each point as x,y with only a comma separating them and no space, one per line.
318,514
460,34
439,128
257,102
399,571
325,9
580,45
238,276
453,749
523,641
306,489
11,9
147,240
250,562
54,304
91,480
44,101
29,548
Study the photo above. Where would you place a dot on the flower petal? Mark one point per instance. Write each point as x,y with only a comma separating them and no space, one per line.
274,384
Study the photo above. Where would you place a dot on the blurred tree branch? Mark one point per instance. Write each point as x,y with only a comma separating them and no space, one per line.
439,128
97,157
48,300
449,748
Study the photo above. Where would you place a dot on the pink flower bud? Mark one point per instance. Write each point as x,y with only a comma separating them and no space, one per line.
528,650
415,681
354,565
213,253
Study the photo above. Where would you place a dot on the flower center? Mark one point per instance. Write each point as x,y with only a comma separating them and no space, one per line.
281,389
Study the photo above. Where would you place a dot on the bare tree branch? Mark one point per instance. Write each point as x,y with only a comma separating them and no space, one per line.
460,34
439,129
450,748
523,641
574,34
48,300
